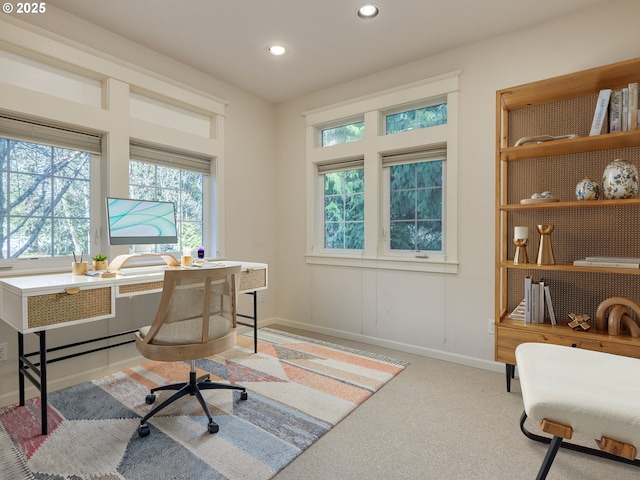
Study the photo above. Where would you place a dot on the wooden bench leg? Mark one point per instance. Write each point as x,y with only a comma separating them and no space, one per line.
549,457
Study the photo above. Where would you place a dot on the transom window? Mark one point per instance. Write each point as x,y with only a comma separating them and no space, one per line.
342,134
417,118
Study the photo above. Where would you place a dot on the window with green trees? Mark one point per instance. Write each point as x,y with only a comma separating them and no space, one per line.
415,206
344,209
45,200
417,118
149,181
342,134
407,216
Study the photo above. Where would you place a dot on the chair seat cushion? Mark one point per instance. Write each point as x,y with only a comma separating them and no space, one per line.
188,331
595,393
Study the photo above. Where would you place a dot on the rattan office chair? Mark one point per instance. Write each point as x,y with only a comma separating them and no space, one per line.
179,333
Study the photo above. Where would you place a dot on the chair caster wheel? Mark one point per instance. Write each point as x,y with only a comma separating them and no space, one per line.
243,396
144,430
151,398
213,427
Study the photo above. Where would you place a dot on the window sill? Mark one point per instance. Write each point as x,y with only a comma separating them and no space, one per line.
385,263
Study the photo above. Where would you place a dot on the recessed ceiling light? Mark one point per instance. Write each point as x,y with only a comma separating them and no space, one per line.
277,50
367,11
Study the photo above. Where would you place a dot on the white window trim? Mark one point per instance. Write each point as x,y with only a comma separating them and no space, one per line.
376,144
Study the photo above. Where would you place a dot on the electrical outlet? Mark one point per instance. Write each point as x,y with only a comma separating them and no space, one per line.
3,352
261,296
491,326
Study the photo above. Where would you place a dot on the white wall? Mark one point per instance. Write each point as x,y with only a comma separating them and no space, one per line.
440,315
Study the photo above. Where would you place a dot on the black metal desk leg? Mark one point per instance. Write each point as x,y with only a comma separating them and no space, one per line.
21,368
255,322
254,318
43,380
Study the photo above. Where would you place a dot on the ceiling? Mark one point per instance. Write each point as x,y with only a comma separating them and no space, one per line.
327,43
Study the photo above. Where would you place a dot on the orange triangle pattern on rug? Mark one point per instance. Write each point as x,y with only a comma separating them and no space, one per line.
298,389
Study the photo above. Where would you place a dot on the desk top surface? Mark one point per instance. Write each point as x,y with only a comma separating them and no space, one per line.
26,284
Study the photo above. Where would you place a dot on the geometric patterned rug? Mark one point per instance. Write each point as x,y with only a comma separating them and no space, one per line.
298,389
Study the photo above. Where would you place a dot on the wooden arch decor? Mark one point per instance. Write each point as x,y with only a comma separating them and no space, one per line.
619,315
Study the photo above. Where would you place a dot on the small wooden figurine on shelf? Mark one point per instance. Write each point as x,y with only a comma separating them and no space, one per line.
579,322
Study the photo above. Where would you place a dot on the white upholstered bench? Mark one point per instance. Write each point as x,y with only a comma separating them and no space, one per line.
569,390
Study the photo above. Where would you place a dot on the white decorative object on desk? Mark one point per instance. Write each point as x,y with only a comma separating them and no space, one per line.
619,180
587,189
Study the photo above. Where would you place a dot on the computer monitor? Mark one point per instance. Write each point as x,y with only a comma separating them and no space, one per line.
141,222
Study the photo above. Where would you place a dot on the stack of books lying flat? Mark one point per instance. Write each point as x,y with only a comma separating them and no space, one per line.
608,262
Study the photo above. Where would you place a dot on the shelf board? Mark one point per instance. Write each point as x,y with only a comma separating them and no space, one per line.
563,329
572,85
568,267
627,202
571,145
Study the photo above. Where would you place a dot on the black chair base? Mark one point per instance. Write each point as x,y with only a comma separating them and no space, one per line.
192,387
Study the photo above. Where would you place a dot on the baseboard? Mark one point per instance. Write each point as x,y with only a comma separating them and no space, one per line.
381,342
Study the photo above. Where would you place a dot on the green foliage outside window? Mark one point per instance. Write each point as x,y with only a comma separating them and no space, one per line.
416,206
148,181
343,134
418,118
344,209
44,200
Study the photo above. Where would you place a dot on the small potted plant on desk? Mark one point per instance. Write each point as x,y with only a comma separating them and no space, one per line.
100,262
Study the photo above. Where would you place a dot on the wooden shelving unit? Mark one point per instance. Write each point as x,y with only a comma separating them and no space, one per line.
561,106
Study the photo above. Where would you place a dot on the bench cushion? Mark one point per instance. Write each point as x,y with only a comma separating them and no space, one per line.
595,393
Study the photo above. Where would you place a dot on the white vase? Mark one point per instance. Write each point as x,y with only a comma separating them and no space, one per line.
587,189
619,180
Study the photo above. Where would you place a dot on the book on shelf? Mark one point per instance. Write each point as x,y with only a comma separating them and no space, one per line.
624,110
615,111
602,107
605,264
550,309
633,106
539,292
614,259
527,299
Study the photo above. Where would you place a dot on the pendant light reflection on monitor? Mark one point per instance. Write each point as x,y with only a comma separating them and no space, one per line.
367,11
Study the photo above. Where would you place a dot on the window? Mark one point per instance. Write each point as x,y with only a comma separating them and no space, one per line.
46,195
396,206
342,134
174,177
418,118
414,209
344,209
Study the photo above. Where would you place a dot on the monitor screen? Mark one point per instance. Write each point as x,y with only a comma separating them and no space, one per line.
141,222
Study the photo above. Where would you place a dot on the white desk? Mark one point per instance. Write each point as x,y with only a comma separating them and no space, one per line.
38,303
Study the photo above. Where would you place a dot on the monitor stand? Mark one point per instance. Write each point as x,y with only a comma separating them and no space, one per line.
118,262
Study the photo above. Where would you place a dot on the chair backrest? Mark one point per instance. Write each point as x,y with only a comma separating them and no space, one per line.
196,316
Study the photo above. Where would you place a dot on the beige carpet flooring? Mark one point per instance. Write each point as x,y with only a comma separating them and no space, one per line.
439,420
